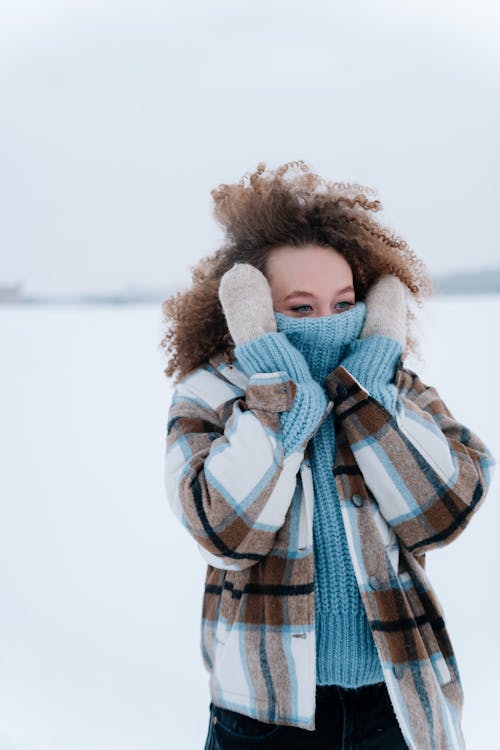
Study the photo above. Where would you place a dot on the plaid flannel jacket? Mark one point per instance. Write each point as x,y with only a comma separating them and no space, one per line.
407,484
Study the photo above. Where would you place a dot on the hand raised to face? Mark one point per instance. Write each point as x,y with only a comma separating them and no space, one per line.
247,302
386,308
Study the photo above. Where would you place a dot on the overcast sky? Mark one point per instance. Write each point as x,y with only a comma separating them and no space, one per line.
117,118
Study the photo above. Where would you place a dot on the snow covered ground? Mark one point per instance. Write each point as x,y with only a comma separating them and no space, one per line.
100,586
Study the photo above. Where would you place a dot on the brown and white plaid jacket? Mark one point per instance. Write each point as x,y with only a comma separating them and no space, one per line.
407,483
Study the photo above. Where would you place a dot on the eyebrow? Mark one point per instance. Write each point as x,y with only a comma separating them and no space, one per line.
298,292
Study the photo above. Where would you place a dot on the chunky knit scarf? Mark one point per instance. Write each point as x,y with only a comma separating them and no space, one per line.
309,349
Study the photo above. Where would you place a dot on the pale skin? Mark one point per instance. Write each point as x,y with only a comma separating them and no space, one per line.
309,282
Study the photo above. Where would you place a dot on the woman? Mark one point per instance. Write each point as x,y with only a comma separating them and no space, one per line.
315,472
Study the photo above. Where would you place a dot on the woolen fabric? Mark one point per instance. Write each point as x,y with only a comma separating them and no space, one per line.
308,349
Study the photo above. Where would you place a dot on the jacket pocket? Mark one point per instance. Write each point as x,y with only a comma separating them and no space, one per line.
240,728
230,664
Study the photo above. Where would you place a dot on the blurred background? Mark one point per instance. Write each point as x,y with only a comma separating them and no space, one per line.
117,119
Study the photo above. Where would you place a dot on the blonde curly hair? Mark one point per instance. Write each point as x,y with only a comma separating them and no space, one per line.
290,205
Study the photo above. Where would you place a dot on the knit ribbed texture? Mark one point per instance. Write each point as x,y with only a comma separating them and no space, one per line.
346,654
272,352
324,341
372,361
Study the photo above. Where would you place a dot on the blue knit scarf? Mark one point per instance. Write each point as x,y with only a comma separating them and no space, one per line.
346,652
309,349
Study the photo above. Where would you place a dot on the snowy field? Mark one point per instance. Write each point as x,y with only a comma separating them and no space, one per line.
100,586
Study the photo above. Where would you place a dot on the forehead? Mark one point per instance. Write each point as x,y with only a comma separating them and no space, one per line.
316,265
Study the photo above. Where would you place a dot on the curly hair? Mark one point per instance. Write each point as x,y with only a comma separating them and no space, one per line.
290,205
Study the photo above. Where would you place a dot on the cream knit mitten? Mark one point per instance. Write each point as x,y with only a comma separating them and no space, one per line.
246,299
386,309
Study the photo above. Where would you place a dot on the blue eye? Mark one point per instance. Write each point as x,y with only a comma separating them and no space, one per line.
300,307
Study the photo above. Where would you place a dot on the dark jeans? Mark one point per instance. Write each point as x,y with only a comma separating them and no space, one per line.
346,719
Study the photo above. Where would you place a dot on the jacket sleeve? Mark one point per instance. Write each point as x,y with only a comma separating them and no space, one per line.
226,474
428,472
273,351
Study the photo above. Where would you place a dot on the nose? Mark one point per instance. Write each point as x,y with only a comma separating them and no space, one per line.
322,310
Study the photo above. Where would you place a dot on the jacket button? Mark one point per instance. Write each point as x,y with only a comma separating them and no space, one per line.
341,391
398,670
374,582
357,500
